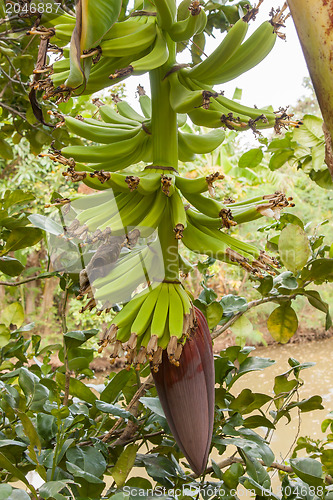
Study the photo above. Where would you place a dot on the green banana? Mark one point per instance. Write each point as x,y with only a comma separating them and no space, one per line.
104,135
187,304
155,58
184,30
128,112
185,267
96,154
143,318
184,153
176,313
228,240
124,28
128,313
198,185
131,44
121,288
221,54
166,13
178,214
207,206
148,225
145,105
247,56
110,115
122,265
203,143
183,100
149,183
161,311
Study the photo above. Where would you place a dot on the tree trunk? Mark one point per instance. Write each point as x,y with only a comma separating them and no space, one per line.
314,24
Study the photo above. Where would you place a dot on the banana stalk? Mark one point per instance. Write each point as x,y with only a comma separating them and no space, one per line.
314,25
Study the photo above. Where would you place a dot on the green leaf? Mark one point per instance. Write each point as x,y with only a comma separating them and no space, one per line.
242,329
322,178
5,491
51,488
216,469
214,312
29,430
319,270
282,385
285,280
280,158
311,132
310,404
294,247
46,224
231,476
316,301
19,495
10,266
251,158
232,304
78,472
6,464
77,388
153,404
13,315
282,323
4,335
257,471
6,151
114,410
308,469
124,464
88,463
266,285
115,386
76,338
22,238
258,421
327,460
15,197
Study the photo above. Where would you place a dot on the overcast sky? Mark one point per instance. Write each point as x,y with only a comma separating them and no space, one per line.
277,80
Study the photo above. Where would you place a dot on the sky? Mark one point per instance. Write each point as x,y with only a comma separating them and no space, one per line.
277,80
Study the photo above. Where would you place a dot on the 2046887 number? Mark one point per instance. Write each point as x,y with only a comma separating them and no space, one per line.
37,8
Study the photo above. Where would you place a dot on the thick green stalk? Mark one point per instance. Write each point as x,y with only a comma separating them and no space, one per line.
165,154
164,119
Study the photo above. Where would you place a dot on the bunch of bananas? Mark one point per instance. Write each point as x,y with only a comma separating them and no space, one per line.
142,43
157,319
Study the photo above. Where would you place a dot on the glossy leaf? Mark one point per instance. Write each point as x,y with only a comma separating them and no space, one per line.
251,158
10,266
124,464
282,323
294,248
22,238
308,469
77,388
13,315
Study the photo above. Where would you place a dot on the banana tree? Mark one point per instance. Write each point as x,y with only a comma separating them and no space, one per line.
153,209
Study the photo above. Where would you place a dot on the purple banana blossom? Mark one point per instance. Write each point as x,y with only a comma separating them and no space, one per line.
186,393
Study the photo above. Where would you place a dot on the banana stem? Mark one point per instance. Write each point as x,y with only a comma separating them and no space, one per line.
164,119
165,154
